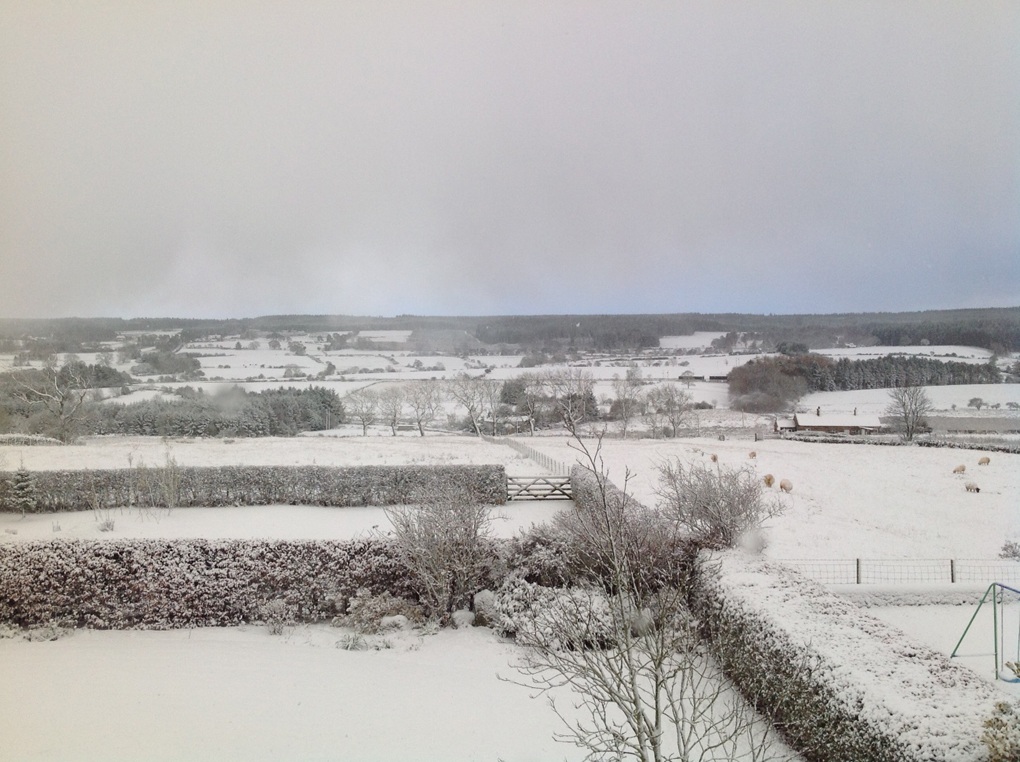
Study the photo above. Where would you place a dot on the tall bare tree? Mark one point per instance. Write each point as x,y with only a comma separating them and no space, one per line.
573,393
425,398
467,391
673,403
391,406
363,406
60,394
909,407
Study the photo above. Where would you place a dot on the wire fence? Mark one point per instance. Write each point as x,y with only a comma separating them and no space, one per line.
550,464
868,571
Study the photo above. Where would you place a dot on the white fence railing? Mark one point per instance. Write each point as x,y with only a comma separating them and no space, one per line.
550,464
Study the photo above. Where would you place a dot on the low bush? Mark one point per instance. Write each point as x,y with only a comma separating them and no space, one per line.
251,485
161,584
838,683
366,610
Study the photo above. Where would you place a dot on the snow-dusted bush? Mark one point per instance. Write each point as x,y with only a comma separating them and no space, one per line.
840,684
571,618
444,539
276,615
1002,733
716,506
255,485
163,584
365,611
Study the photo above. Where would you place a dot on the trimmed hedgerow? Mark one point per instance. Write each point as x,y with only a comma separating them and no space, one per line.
839,684
164,584
252,485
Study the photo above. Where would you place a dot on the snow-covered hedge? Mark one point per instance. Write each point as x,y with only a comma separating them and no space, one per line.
584,488
252,485
840,684
163,584
1013,449
27,440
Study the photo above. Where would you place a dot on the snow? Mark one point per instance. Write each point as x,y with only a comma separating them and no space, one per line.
282,522
875,401
848,501
947,353
941,627
122,452
242,694
697,340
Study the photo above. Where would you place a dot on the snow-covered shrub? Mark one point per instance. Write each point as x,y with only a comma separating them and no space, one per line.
838,683
541,554
276,615
23,492
165,584
1002,733
561,618
444,539
1010,550
716,506
257,485
366,611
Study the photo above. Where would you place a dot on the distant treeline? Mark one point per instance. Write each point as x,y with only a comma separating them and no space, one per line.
771,383
233,413
996,329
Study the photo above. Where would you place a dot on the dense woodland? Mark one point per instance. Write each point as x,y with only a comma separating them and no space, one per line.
996,329
771,383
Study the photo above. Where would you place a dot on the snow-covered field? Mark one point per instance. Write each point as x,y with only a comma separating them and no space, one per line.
282,522
122,452
848,501
875,401
240,694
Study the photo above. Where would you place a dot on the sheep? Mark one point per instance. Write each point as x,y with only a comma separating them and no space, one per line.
984,461
786,485
752,454
959,469
715,458
769,480
972,487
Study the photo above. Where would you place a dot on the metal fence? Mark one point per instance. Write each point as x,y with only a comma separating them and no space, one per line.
868,571
551,464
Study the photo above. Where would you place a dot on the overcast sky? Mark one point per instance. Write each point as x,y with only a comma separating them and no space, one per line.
216,159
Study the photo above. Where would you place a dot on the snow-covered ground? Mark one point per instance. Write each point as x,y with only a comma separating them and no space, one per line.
696,340
282,522
941,627
233,694
122,452
875,401
848,501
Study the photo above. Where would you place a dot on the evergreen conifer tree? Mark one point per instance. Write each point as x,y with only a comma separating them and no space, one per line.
24,494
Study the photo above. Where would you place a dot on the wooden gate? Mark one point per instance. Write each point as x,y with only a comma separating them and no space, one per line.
538,488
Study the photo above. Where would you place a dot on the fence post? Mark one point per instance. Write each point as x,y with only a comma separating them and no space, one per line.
858,571
952,570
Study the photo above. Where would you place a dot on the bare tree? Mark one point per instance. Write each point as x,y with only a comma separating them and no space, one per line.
627,400
628,647
467,391
391,406
673,403
363,406
573,392
534,389
443,539
425,399
909,407
492,398
60,394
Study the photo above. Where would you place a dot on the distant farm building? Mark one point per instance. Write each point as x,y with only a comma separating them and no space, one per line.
841,423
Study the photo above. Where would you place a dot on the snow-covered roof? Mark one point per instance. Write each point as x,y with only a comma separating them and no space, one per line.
839,421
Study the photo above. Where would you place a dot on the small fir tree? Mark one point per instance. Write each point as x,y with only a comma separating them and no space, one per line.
23,491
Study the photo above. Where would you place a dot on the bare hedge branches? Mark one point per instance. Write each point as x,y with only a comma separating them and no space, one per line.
716,506
443,540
